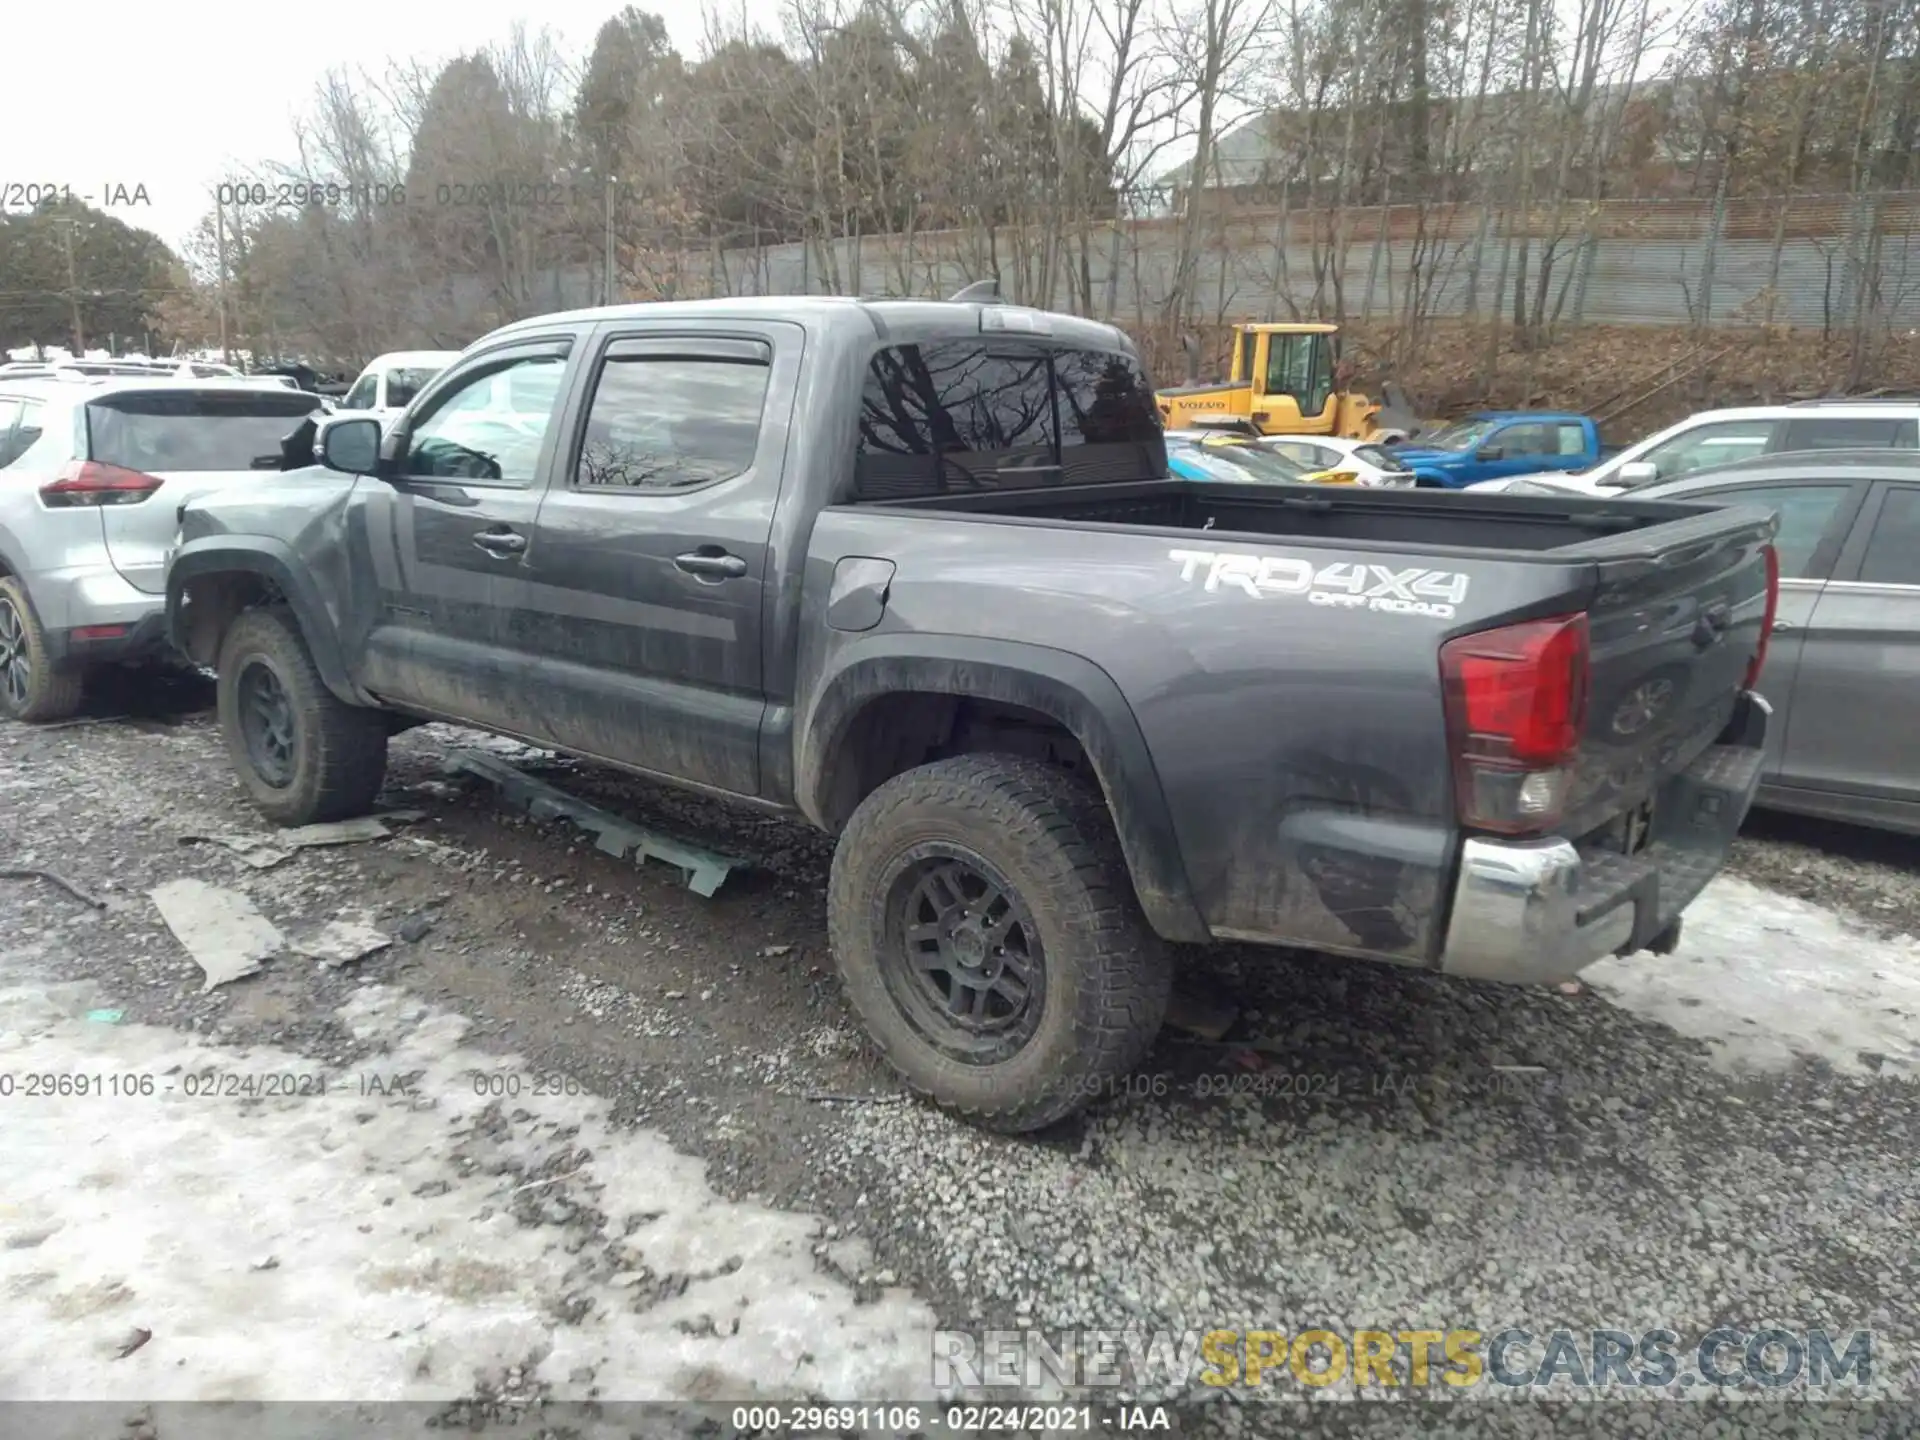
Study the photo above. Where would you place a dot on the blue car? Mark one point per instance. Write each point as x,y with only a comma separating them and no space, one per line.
1495,444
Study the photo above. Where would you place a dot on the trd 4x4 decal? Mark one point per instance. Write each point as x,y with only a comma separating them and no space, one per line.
1355,585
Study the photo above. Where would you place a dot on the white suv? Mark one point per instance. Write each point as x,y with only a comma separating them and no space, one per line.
1717,437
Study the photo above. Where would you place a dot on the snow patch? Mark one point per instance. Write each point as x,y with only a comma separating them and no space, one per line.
1766,979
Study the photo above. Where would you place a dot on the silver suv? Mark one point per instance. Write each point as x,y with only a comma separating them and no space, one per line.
92,475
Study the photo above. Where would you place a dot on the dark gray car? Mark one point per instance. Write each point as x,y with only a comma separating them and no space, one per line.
916,572
1843,673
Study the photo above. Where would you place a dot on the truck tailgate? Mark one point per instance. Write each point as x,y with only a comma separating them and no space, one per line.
1673,634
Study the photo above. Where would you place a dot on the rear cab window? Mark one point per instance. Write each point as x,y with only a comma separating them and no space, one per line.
971,414
158,431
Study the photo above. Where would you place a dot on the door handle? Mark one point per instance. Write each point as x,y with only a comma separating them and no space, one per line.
1780,625
711,564
500,542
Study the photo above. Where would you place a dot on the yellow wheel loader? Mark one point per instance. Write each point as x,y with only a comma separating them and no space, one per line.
1287,380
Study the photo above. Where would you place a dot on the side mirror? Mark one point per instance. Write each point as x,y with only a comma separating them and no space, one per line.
352,446
1634,472
1491,452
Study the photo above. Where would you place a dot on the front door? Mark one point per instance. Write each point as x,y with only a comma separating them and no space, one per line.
654,549
1857,690
451,536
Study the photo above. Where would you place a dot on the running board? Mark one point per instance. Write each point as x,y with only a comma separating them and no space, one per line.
703,870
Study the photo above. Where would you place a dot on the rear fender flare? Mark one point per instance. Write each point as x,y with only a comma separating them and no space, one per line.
273,561
1067,688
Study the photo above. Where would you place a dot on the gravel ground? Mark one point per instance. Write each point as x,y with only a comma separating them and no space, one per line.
1394,1151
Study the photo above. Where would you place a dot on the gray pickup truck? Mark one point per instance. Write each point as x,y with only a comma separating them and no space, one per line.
915,571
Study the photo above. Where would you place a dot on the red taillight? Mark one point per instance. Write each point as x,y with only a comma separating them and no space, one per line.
88,482
1516,702
1766,621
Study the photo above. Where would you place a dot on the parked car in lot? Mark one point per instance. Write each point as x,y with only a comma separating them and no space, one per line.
1843,672
1210,456
917,572
1378,467
1498,443
91,475
387,386
1720,437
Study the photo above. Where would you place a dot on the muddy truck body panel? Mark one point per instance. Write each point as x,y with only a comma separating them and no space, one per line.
865,560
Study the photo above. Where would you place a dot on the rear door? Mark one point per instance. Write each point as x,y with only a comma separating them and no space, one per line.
653,548
194,442
1857,692
1815,517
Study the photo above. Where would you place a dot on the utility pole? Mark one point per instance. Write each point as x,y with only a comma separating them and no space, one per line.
609,238
73,290
220,245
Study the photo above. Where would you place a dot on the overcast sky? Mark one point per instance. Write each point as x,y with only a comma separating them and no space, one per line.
176,97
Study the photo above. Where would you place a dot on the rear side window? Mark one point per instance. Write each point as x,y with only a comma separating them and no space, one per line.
671,415
1831,433
1806,514
1573,439
1893,554
206,431
403,385
964,415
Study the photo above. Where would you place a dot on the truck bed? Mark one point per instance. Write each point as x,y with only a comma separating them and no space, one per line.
1481,524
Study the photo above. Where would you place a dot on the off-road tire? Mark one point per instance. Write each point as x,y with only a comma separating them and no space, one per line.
339,750
1107,976
51,694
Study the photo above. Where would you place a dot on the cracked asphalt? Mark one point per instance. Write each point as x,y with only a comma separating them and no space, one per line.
1724,1137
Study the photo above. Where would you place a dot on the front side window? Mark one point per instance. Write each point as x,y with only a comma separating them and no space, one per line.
1530,439
1716,444
1301,366
1893,555
475,434
959,415
1806,514
361,396
662,420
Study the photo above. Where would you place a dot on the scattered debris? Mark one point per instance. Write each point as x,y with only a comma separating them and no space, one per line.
674,995
703,869
413,929
1570,987
341,942
226,936
263,852
270,1263
133,1342
1189,1012
105,1017
829,1097
774,952
551,1179
52,877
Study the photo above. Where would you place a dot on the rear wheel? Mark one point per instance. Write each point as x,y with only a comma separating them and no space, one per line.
303,754
987,934
30,688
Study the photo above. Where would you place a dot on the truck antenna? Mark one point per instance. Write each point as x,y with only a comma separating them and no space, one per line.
980,292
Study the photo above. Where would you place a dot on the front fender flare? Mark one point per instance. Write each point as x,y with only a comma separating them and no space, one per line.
274,561
1065,687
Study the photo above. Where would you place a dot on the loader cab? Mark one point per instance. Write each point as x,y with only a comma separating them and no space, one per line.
1290,369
